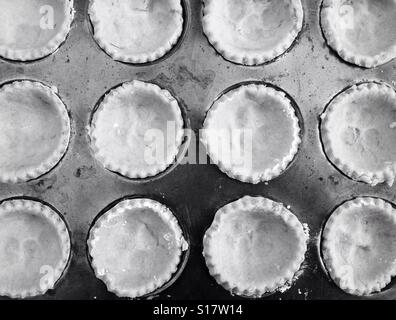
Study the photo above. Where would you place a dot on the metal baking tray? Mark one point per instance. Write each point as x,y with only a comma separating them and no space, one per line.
80,188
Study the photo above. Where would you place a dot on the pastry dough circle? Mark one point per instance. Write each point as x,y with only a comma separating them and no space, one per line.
361,31
136,31
359,245
34,248
136,247
358,132
254,246
252,133
33,29
252,32
34,130
132,125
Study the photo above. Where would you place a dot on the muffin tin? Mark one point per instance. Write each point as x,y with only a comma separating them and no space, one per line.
80,188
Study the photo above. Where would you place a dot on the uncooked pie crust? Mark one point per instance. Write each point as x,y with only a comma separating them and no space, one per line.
359,245
274,126
254,247
35,130
358,132
34,248
137,31
252,32
136,247
361,32
124,117
23,38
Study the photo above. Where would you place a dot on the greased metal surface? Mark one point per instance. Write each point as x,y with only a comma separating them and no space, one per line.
80,188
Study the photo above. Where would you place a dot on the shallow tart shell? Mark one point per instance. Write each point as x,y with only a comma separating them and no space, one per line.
26,33
138,31
361,31
358,132
121,121
254,247
252,32
34,130
359,245
34,248
136,247
268,128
